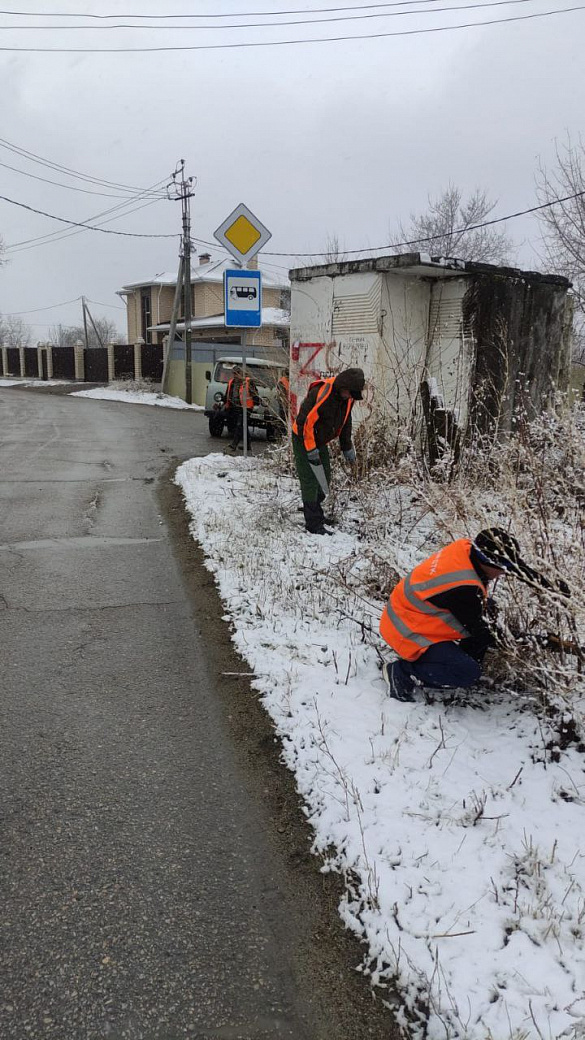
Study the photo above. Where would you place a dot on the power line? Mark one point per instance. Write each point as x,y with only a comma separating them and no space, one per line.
244,14
36,310
59,184
76,223
40,160
121,209
272,25
457,231
112,306
69,232
285,43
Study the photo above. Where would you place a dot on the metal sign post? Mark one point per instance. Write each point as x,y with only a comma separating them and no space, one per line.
245,409
242,293
243,235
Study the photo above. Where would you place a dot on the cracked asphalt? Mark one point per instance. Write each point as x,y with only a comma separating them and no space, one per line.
155,876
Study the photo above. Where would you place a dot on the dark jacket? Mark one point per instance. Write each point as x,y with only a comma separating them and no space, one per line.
333,410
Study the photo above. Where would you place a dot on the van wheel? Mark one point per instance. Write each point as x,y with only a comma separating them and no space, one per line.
215,427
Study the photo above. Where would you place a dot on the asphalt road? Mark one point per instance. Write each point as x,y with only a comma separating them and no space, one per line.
155,880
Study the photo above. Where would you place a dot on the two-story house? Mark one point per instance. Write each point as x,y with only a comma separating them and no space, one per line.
149,306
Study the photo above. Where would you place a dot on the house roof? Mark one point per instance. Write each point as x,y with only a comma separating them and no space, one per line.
273,316
211,272
423,266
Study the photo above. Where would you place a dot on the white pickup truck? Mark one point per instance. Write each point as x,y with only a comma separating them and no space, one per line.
265,375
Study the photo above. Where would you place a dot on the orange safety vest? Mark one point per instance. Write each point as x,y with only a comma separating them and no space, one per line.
242,394
309,427
409,623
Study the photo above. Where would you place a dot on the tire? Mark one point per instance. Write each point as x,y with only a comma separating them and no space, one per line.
216,426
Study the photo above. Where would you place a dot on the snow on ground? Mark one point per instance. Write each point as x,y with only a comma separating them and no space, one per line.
137,397
461,840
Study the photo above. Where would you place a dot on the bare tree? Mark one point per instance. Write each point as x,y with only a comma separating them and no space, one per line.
333,254
563,225
69,335
449,228
14,332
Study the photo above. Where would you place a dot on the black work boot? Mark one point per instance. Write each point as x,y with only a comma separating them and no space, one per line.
314,518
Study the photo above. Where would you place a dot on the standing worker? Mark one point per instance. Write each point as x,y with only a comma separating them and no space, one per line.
435,617
241,393
324,415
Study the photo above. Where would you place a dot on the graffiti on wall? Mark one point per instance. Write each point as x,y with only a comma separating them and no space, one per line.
312,361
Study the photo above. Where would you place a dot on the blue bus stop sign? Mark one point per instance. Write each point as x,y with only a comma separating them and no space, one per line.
242,292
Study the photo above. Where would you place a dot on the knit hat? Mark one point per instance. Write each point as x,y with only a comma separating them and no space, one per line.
352,379
497,548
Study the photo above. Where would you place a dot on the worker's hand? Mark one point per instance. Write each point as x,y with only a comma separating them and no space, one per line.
319,474
350,455
314,457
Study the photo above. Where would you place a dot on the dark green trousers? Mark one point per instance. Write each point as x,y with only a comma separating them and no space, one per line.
310,487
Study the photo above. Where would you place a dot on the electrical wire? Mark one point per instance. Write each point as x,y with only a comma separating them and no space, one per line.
457,231
272,25
57,236
77,223
40,160
121,209
36,310
244,14
287,43
113,306
59,184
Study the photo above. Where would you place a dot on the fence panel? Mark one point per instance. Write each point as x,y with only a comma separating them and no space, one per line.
123,361
64,362
96,365
13,361
31,362
152,362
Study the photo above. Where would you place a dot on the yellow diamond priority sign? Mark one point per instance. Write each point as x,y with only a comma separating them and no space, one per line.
242,234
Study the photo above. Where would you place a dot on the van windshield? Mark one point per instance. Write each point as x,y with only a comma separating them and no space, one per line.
261,376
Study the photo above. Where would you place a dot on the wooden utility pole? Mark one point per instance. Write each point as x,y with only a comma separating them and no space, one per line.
84,323
182,189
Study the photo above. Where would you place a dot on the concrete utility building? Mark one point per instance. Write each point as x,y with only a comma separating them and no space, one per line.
463,343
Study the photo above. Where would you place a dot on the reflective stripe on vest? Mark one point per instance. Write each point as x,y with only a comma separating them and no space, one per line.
309,426
241,395
430,608
410,623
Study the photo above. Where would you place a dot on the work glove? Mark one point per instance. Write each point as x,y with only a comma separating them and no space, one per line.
318,471
349,455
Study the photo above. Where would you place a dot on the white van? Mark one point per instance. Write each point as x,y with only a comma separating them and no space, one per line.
265,375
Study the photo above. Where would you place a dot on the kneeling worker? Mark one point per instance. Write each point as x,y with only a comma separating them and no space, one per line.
434,619
324,415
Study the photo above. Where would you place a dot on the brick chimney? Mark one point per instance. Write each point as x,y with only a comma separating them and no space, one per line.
204,258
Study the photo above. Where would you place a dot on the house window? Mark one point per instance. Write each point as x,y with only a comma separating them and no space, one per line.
145,314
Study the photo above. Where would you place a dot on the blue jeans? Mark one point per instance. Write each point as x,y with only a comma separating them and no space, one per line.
442,665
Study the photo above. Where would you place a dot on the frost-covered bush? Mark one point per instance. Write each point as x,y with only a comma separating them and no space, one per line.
532,484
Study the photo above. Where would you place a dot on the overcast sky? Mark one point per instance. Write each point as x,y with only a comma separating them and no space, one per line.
338,138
